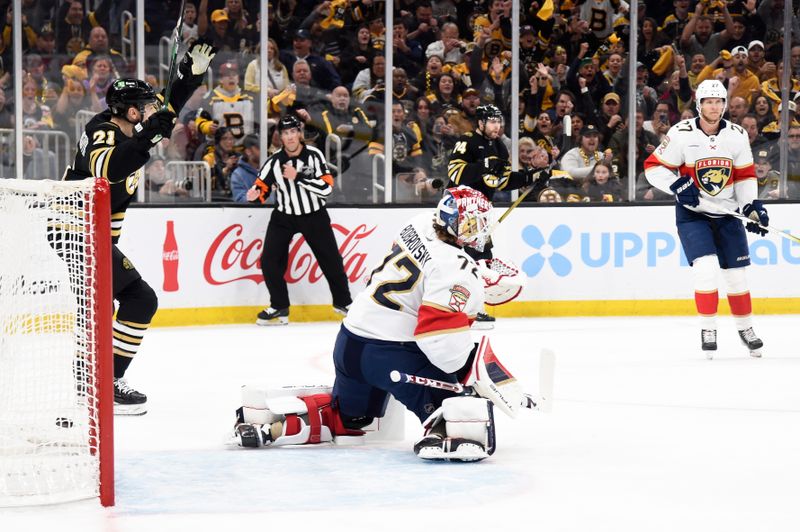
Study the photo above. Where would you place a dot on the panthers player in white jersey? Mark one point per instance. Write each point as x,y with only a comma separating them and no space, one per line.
708,158
412,319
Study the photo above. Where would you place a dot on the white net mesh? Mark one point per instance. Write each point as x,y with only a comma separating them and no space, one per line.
48,399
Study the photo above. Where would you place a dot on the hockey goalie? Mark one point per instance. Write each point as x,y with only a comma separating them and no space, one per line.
412,319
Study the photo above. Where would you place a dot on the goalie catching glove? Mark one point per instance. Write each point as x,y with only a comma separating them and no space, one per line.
502,280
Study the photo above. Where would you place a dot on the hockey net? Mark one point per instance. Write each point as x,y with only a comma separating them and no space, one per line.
56,389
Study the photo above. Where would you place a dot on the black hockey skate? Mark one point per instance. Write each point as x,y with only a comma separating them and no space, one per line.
127,401
483,321
752,342
708,337
271,316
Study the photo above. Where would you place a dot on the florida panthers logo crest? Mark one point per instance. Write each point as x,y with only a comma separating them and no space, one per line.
713,173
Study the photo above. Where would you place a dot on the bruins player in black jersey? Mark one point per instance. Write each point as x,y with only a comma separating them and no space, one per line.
480,160
115,146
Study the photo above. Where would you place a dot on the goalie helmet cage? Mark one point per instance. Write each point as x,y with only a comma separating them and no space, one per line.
56,374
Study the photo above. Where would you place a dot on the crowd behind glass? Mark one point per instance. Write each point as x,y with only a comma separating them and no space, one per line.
327,66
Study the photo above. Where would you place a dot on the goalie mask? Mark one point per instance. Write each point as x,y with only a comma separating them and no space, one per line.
465,214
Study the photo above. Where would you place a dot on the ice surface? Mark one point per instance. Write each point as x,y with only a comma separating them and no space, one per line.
645,435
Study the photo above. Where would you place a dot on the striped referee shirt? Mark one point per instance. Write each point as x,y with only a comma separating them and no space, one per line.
305,194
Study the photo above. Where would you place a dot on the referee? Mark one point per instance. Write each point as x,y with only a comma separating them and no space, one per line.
302,181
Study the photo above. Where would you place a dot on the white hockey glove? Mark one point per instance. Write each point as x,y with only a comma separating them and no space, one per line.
196,60
502,280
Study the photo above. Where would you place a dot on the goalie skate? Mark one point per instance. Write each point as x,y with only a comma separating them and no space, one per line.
752,342
436,447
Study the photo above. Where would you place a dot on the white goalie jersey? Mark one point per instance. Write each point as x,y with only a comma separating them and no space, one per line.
720,165
424,291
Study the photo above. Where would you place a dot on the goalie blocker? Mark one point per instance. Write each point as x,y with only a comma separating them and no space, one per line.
461,428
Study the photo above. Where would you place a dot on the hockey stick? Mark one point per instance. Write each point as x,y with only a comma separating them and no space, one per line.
546,377
173,61
711,208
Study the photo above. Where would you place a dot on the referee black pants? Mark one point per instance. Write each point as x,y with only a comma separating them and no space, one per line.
316,228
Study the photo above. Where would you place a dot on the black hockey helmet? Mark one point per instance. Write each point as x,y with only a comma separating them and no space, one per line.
289,122
485,112
128,92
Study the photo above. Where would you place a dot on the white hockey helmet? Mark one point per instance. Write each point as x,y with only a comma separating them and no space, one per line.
711,88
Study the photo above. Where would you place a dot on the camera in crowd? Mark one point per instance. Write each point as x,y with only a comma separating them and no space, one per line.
184,184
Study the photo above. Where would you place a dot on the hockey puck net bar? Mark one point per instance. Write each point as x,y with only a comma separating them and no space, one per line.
56,375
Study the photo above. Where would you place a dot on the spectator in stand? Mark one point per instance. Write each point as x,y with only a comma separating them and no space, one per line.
651,37
421,116
425,28
741,82
34,114
772,87
357,56
406,155
73,28
603,185
73,98
579,161
793,163
277,75
46,50
613,68
757,62
222,157
543,137
768,179
697,66
300,98
750,125
795,58
436,148
527,148
446,96
698,36
220,34
36,163
679,92
464,120
762,109
677,20
228,105
369,78
660,121
160,188
246,171
6,113
737,108
565,105
102,74
402,89
610,118
97,47
408,53
185,139
323,72
450,47
426,81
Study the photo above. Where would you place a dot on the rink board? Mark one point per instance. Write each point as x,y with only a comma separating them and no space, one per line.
579,261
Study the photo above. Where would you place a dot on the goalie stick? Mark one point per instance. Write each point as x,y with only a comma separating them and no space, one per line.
543,402
173,61
711,208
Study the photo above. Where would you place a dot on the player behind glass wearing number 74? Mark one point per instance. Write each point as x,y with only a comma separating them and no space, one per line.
709,158
412,318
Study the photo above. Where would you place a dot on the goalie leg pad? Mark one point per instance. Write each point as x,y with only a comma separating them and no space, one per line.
315,420
461,430
490,379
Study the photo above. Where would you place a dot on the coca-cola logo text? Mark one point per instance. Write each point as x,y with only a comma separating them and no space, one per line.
230,258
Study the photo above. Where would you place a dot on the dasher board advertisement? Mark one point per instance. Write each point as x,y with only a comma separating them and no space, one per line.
579,261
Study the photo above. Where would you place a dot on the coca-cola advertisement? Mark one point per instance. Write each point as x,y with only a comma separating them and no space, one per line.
212,257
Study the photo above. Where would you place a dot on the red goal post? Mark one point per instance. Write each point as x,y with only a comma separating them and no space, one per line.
56,366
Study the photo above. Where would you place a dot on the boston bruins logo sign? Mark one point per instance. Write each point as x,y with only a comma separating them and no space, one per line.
713,174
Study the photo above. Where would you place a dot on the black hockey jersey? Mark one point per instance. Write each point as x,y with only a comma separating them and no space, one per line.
104,151
467,165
